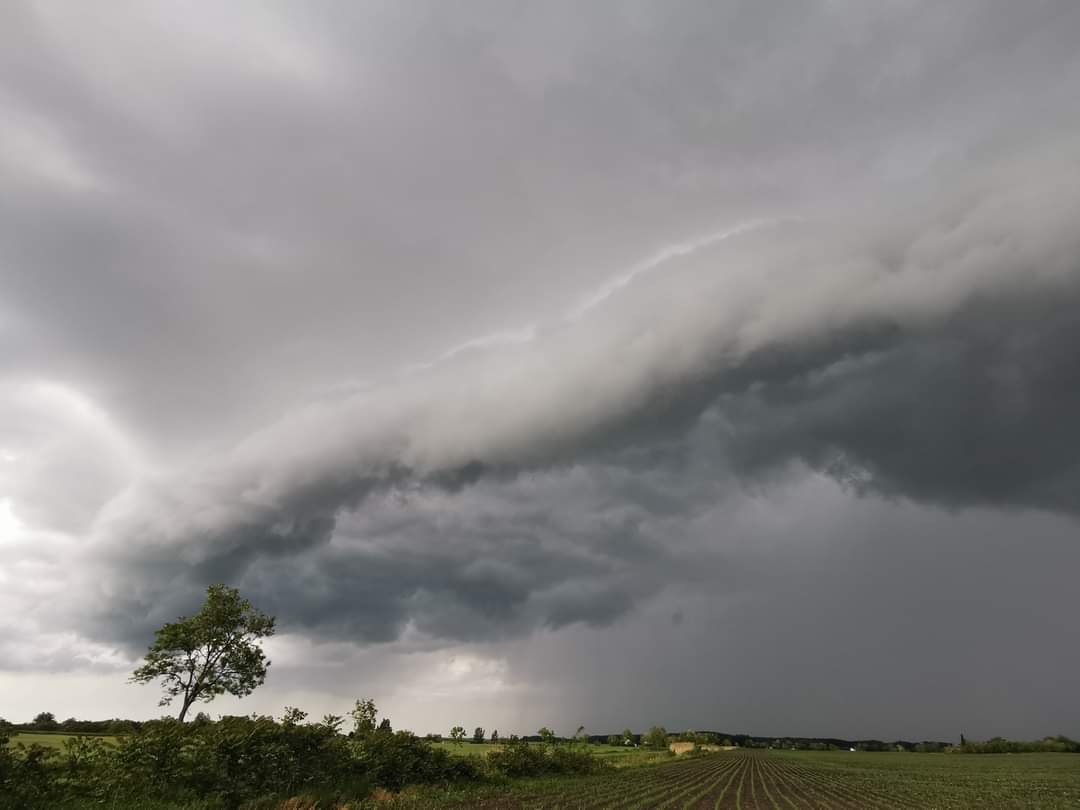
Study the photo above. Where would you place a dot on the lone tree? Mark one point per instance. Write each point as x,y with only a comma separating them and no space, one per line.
364,715
655,738
213,652
45,721
457,734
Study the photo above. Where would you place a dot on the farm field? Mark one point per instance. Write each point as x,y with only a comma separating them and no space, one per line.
789,780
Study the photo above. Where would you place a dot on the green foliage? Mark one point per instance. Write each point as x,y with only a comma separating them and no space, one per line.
999,745
457,734
25,774
655,737
363,716
292,716
213,652
236,758
478,735
234,762
396,759
45,721
518,758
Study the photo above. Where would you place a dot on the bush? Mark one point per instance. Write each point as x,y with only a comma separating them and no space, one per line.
237,758
252,762
519,758
396,759
574,761
25,775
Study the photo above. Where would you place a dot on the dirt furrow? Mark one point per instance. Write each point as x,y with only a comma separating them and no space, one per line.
850,796
672,793
732,797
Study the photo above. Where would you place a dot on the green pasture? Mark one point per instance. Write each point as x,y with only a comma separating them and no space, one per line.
50,739
612,752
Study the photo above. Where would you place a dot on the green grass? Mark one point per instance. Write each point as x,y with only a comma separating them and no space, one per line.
51,739
617,755
466,749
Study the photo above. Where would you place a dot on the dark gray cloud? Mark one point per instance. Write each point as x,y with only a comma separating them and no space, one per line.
974,411
446,328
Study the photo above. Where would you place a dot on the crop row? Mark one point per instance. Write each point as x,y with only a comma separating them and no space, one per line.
793,780
738,781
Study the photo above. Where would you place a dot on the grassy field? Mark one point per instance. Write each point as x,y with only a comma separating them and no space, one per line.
617,755
50,739
606,751
789,780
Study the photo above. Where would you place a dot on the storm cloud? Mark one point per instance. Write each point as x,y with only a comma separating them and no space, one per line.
447,330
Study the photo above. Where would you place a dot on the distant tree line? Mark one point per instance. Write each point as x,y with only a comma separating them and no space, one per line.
1000,745
46,721
658,737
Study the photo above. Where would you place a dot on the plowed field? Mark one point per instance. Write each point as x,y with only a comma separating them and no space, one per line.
784,780
737,781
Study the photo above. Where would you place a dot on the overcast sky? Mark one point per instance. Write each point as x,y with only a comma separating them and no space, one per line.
705,364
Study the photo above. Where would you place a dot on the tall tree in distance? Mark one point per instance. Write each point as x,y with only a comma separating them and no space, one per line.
364,715
655,738
45,721
213,652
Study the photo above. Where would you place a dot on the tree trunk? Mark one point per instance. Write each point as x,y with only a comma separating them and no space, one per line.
187,705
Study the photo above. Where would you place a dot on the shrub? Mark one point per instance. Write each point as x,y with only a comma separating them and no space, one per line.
575,761
236,758
519,758
26,778
395,759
